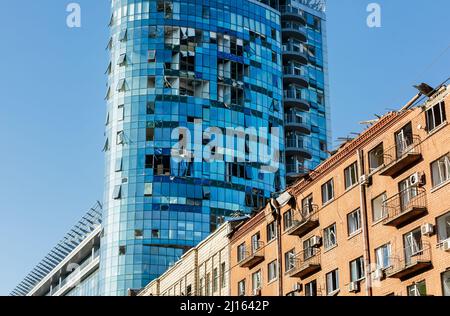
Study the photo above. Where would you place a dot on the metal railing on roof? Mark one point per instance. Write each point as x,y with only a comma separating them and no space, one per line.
87,224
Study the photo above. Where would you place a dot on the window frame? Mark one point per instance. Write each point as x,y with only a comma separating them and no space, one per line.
446,163
353,168
358,222
326,244
358,263
335,275
326,197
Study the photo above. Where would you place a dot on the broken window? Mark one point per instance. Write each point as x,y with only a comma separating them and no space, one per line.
150,108
155,233
148,189
161,165
152,56
150,134
120,138
122,250
151,82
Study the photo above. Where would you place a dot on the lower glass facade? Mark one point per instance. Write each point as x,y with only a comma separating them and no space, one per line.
205,64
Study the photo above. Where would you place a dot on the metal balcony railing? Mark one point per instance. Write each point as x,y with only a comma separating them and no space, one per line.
410,261
304,221
252,257
305,263
295,71
291,47
290,9
405,206
406,152
293,26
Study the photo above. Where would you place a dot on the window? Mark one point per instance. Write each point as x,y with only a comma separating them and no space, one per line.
417,289
351,175
408,192
120,112
378,211
436,116
148,189
151,82
308,249
155,233
215,280
119,164
121,85
150,108
332,280
117,194
289,260
413,245
311,288
256,280
241,252
330,239
327,191
256,245
223,281
138,233
354,222
443,227
122,250
383,256
307,206
150,134
208,284
241,288
271,231
151,56
120,139
357,269
122,59
403,140
287,219
376,157
123,35
440,170
189,290
446,283
272,271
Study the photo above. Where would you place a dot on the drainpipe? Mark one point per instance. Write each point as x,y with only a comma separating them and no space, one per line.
365,224
277,217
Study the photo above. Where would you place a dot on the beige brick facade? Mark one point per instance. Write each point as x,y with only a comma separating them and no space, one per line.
412,262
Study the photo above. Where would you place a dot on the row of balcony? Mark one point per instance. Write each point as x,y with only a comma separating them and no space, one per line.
295,75
294,29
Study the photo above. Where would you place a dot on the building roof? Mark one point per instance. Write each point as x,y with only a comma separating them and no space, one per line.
86,225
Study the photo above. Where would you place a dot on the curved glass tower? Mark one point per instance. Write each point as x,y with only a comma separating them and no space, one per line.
196,64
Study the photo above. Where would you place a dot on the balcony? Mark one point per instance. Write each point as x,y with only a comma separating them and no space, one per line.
401,156
295,52
297,122
405,207
295,75
254,257
305,264
410,263
303,222
294,99
293,14
298,148
293,30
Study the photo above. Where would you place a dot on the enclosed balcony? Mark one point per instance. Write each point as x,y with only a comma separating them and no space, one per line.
405,207
295,52
293,30
293,98
295,75
304,221
405,153
410,262
304,264
294,121
293,14
252,258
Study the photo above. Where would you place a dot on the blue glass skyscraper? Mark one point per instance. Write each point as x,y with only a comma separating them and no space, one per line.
175,63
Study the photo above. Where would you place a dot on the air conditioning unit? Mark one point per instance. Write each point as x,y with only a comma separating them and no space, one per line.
427,229
378,274
416,179
353,287
316,241
365,180
446,245
257,292
297,287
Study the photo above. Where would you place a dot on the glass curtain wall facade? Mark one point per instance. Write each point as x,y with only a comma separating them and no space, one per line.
305,85
173,63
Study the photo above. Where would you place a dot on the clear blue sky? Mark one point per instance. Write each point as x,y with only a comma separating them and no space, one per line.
52,110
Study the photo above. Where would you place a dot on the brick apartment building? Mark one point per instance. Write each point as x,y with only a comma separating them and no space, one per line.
374,219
